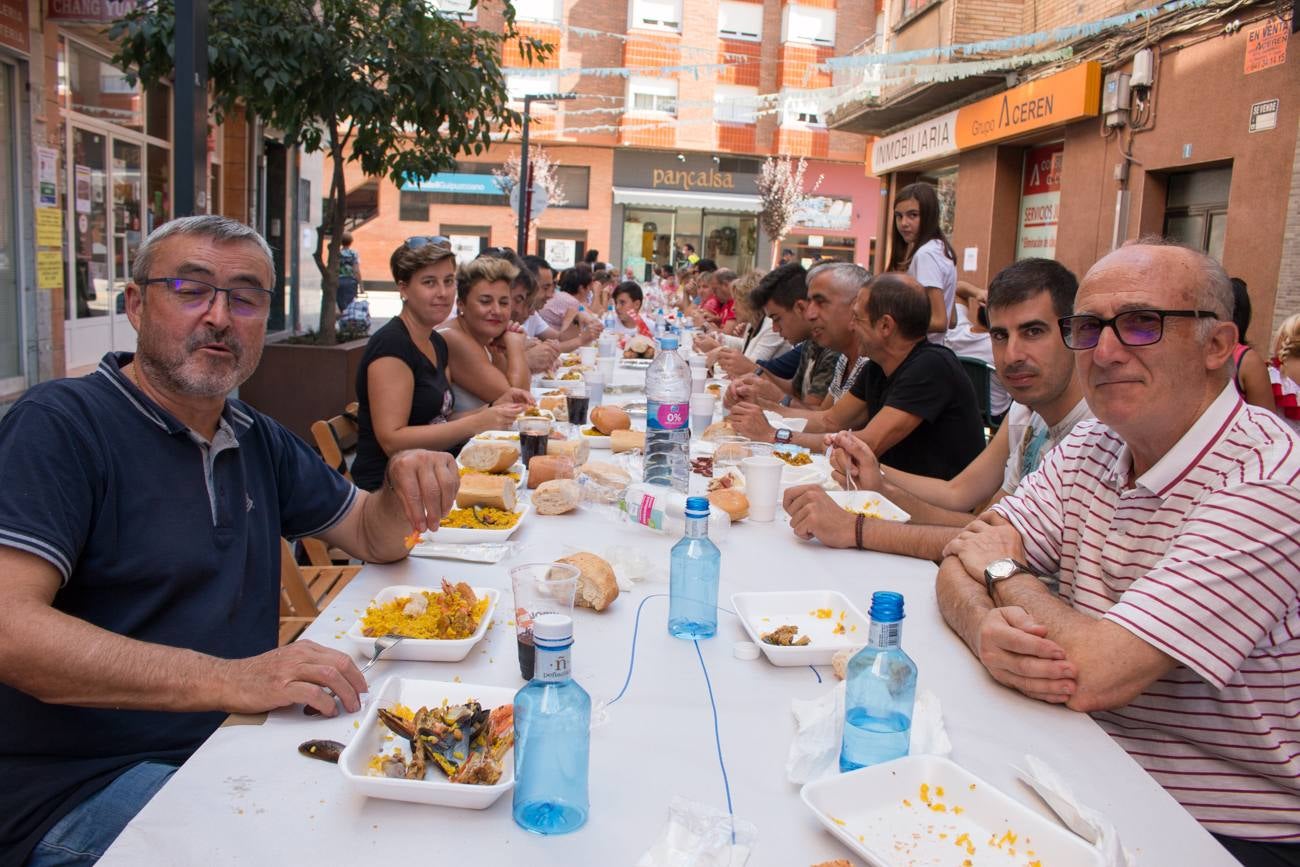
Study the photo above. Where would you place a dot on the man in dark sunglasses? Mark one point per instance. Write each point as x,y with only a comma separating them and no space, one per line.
1172,525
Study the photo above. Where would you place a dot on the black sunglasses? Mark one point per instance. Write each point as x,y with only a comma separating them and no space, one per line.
1132,327
418,241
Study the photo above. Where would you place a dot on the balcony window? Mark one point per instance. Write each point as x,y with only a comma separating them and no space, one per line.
455,9
519,86
800,110
657,14
657,95
546,11
808,25
734,104
740,20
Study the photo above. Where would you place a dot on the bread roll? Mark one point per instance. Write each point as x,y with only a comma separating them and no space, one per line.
545,467
557,405
489,456
556,497
627,440
840,661
733,502
607,474
608,419
577,449
480,490
597,587
716,430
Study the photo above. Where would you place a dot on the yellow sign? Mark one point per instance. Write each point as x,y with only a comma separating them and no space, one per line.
1047,102
49,227
680,179
1266,44
49,269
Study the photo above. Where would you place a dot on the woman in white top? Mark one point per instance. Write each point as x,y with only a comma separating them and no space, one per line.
484,351
749,338
920,248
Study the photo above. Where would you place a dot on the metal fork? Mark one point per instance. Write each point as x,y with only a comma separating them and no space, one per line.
383,644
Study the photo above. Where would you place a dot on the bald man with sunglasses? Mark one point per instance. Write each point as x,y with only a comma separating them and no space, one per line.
1149,571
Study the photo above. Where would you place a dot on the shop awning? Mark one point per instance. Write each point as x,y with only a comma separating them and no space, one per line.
709,201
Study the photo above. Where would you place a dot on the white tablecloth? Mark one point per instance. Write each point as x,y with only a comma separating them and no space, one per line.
247,796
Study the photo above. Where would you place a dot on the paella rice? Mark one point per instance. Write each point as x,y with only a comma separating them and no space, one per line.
480,518
449,614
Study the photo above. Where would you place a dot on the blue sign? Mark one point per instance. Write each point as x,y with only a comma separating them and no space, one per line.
455,182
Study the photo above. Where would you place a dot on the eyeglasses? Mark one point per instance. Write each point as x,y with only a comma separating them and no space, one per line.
1132,327
249,302
418,241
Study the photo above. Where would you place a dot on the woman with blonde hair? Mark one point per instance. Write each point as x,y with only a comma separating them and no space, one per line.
749,338
486,352
404,389
1284,370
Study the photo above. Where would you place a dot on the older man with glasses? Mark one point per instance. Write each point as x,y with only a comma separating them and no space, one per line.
140,518
1172,525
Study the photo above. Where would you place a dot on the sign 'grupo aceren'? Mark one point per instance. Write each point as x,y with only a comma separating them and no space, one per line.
1047,102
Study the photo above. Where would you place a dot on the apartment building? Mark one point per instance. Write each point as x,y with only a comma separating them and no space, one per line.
677,104
1125,119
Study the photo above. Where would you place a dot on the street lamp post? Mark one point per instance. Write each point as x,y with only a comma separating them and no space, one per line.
525,171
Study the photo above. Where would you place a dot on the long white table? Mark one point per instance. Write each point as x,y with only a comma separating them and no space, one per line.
247,796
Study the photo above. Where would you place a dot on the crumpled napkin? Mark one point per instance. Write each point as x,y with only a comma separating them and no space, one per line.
815,750
698,835
778,421
1079,818
485,552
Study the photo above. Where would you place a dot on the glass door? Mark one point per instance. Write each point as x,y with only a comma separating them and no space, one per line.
127,179
10,321
90,287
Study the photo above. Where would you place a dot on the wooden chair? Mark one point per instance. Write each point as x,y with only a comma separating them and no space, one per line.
336,438
981,375
305,590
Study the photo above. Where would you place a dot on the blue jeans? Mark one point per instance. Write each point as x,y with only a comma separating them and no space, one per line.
83,835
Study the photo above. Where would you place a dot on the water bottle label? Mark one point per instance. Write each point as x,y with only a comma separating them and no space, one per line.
885,634
667,416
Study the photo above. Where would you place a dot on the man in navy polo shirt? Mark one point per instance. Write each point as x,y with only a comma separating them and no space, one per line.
140,516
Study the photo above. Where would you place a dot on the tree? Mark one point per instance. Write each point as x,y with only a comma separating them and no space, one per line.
389,84
542,168
781,195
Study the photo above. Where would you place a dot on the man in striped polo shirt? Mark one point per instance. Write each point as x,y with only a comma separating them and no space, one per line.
1173,526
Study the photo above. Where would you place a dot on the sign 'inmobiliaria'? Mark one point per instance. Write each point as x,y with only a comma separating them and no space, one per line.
88,10
1057,99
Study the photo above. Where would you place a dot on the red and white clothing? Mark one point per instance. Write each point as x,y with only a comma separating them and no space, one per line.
725,312
1200,558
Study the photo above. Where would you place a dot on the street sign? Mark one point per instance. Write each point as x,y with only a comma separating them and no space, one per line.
538,200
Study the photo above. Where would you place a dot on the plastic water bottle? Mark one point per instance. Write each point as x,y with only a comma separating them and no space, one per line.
693,575
668,414
664,509
880,690
610,320
552,736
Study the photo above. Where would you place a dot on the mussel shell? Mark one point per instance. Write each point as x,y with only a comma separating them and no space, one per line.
326,751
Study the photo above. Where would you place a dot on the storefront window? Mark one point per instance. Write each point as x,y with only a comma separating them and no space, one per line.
731,240
159,107
647,240
808,249
160,186
90,285
92,86
10,321
576,183
945,181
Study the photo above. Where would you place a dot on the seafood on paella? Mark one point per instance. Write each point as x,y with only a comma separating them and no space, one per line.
465,742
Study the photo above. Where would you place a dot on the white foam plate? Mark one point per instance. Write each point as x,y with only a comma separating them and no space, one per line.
510,435
763,612
597,442
424,649
865,809
465,535
873,500
549,384
372,738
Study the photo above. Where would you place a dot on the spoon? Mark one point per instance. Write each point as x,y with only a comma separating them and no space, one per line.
383,644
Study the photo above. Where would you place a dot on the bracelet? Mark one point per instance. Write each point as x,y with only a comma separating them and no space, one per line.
857,532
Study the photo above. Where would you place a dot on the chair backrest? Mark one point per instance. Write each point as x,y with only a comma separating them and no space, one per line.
295,596
336,438
980,373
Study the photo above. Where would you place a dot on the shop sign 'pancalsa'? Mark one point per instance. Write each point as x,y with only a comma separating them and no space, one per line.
1057,99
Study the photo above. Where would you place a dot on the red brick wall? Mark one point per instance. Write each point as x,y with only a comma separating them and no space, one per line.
647,132
746,72
802,142
737,138
796,66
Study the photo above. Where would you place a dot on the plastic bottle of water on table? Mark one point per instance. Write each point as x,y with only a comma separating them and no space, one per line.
695,567
668,407
880,690
610,320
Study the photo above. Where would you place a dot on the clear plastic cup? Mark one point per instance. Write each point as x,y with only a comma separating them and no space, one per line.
539,588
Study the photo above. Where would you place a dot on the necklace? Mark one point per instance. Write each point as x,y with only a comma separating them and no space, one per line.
135,373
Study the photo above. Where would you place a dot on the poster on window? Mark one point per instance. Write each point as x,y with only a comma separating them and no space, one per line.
824,212
466,247
560,252
1040,202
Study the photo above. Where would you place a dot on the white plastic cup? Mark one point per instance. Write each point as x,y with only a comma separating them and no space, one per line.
698,377
606,345
587,355
701,411
762,485
595,387
606,367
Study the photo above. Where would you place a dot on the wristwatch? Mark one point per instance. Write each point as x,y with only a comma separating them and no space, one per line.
1001,570
782,436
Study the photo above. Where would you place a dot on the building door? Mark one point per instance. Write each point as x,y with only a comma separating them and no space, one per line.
127,178
1196,209
274,190
11,322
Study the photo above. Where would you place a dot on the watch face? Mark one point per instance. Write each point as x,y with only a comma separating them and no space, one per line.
783,435
1000,569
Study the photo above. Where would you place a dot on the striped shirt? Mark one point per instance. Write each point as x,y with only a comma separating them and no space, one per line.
1200,558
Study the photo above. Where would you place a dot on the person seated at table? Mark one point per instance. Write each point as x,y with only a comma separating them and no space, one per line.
627,307
913,404
750,338
541,355
969,338
561,310
1250,372
802,375
1284,370
1024,302
404,389
535,327
719,309
140,524
485,350
1147,572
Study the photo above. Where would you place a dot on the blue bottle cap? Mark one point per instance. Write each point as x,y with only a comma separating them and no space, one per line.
697,507
668,341
886,606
